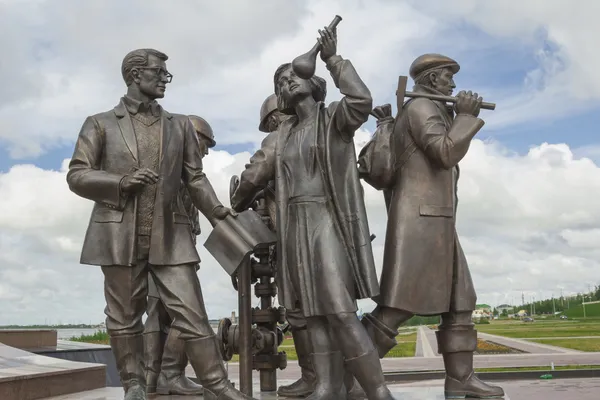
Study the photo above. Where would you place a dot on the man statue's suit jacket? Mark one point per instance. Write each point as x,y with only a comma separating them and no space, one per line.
105,152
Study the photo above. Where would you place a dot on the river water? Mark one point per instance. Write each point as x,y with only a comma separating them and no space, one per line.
66,334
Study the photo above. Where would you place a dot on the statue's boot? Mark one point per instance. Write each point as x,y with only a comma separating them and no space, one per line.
367,370
135,392
205,357
384,339
353,389
306,384
154,343
329,371
129,358
172,379
457,347
382,336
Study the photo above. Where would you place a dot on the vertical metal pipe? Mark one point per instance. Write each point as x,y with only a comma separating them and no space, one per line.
245,307
268,377
268,380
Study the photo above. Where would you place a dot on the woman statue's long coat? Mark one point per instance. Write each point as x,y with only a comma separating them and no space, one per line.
336,126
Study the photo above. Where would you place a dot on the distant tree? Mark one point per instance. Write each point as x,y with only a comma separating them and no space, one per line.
505,313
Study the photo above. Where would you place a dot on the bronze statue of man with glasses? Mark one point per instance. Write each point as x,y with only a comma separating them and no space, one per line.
130,161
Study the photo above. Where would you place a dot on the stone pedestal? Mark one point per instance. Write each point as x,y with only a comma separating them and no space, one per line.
28,376
28,338
424,391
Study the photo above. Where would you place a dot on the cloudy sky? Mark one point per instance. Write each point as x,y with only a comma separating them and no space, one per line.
529,211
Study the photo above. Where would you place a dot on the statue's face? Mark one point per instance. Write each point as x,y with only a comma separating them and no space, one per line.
443,82
274,120
293,88
153,78
203,145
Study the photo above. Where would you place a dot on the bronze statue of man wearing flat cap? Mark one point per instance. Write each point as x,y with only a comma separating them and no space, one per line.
422,249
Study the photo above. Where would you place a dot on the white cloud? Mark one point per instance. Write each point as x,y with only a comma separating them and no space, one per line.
223,56
558,33
69,55
523,221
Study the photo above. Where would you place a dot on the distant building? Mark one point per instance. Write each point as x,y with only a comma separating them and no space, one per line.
481,313
504,307
484,308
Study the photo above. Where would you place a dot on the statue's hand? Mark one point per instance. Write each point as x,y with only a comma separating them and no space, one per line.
140,178
468,103
221,212
328,41
234,183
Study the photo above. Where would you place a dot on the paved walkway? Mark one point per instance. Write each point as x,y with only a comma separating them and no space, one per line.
566,389
416,364
560,337
525,345
427,344
493,361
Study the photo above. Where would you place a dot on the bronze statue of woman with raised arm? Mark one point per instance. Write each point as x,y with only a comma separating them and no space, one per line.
324,249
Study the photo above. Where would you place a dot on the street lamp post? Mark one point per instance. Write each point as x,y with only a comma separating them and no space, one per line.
531,309
562,299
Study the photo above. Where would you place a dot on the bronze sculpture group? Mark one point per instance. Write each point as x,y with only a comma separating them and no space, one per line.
142,167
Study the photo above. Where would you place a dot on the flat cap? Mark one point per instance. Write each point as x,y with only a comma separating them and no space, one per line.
431,61
203,129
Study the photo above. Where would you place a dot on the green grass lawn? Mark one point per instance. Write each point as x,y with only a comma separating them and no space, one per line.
575,344
542,328
546,368
403,349
99,337
407,343
591,310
